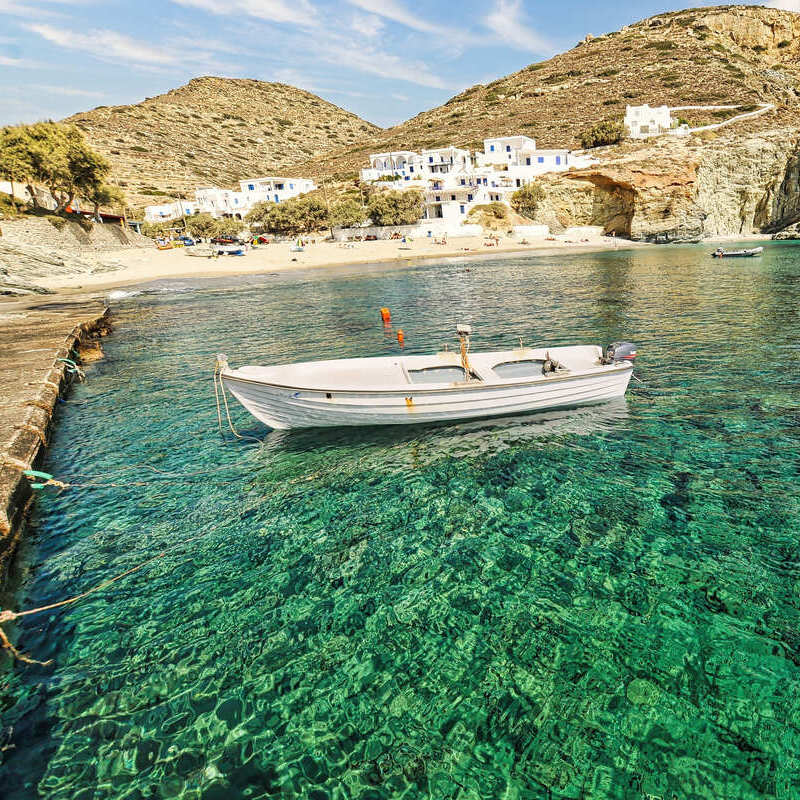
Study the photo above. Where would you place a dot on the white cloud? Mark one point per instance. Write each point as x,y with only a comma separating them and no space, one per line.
372,61
108,45
7,61
786,5
295,12
506,22
394,11
368,25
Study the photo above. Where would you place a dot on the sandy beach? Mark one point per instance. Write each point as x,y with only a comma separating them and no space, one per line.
145,265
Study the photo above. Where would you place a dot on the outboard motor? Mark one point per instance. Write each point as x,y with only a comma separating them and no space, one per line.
620,351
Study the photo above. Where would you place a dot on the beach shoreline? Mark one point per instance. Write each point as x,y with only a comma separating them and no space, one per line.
147,265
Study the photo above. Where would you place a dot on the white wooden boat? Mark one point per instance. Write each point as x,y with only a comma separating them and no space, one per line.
404,390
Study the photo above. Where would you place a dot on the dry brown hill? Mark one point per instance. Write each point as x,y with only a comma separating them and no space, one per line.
709,56
215,131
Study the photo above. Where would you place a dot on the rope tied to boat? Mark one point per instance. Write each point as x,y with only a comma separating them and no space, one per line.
219,390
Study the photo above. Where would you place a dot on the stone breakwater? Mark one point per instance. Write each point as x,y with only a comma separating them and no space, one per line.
33,377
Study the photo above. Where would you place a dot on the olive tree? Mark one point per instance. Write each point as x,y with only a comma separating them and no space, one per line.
396,207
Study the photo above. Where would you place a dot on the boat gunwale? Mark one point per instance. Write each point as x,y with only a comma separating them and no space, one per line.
403,391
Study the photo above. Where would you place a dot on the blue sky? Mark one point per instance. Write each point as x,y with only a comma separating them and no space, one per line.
383,59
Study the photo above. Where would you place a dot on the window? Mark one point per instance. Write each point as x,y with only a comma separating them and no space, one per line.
558,159
452,197
411,169
438,198
491,147
251,187
463,182
463,210
508,148
540,159
527,162
291,186
277,199
430,159
469,198
519,183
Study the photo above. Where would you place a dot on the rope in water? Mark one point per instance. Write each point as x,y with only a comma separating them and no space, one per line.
10,616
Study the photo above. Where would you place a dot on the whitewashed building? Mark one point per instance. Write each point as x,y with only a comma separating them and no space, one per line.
165,212
644,121
454,181
274,190
229,202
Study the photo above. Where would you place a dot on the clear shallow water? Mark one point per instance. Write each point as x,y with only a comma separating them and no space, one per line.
602,604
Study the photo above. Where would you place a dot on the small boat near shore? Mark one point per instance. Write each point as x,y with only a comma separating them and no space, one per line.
406,390
201,251
751,253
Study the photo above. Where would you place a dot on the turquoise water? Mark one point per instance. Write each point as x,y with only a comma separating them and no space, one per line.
597,604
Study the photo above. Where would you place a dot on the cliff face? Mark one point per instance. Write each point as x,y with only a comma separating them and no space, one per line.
671,189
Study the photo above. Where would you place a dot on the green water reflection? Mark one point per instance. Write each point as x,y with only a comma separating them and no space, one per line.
599,604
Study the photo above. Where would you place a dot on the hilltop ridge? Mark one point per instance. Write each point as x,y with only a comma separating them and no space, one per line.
708,56
215,131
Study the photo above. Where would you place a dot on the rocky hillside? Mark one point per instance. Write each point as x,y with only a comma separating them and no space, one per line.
215,131
711,56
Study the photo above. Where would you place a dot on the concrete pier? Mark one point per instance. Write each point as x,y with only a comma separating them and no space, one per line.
32,340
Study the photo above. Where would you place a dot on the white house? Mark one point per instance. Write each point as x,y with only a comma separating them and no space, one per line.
274,190
169,211
644,121
230,203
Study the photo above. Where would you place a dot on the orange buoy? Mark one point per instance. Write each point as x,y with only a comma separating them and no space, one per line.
386,315
400,337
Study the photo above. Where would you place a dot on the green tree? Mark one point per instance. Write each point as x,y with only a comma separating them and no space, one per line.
156,229
298,215
526,200
347,214
102,194
227,226
604,133
396,207
15,161
62,161
202,225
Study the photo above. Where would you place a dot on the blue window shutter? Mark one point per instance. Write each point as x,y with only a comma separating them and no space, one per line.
463,210
291,186
277,199
508,148
541,159
251,187
558,159
491,147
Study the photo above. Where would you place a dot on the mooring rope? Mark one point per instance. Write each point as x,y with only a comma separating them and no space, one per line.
220,390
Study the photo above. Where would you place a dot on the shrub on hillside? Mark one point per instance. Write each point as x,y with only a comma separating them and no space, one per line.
59,223
604,133
526,200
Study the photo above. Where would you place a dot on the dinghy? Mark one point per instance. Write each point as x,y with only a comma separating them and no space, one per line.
751,253
405,390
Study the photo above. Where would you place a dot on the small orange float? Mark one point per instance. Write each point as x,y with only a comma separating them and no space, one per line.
386,315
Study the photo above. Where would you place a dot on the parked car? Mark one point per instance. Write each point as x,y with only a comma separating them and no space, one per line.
187,241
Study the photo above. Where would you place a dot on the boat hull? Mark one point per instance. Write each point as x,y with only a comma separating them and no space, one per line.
284,407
